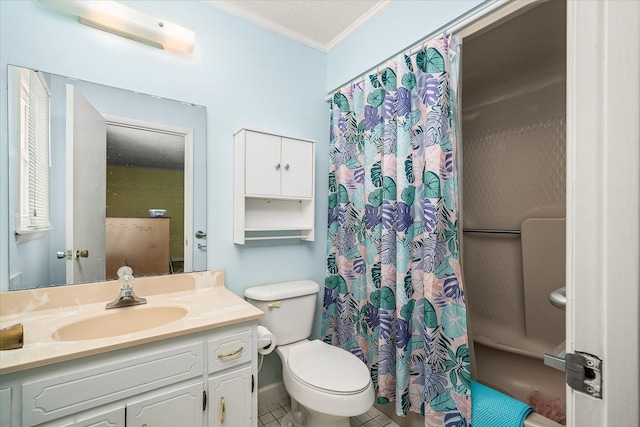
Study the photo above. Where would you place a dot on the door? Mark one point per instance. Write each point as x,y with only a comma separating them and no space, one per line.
262,164
297,168
108,418
174,407
86,189
230,401
603,176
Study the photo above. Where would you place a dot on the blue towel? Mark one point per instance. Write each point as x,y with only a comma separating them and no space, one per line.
490,408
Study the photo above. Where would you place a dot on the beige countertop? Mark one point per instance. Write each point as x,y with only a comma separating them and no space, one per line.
43,311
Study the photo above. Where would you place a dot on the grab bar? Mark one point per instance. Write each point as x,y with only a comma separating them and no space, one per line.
489,230
558,298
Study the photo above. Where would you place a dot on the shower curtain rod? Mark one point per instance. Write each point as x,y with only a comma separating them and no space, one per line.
450,28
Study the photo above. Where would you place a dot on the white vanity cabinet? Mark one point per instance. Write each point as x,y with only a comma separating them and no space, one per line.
177,406
230,404
106,418
231,381
5,406
273,187
173,382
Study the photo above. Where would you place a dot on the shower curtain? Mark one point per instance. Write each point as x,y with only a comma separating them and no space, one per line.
393,293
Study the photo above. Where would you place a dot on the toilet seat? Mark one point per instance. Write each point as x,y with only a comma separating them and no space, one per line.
326,368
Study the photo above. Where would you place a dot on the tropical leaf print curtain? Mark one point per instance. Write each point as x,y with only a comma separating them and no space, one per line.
393,293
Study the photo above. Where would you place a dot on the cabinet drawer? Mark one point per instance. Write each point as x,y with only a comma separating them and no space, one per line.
230,350
88,385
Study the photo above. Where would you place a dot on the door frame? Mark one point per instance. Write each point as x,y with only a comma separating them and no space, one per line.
603,198
603,187
187,135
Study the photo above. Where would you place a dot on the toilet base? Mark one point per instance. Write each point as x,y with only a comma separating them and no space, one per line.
300,416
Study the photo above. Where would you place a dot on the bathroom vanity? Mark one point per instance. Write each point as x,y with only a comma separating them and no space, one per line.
187,358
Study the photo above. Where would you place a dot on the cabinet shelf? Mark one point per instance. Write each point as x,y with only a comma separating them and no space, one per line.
262,196
273,187
292,228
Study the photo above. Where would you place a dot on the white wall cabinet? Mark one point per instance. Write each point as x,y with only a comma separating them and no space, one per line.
175,382
277,166
273,187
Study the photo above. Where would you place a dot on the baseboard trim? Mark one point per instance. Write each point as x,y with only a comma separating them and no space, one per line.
271,393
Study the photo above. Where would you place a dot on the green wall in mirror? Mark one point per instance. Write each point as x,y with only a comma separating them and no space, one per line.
154,189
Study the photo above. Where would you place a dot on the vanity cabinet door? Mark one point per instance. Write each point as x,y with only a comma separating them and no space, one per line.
5,407
230,399
109,418
178,406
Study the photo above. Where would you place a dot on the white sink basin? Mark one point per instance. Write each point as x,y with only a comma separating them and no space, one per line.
119,321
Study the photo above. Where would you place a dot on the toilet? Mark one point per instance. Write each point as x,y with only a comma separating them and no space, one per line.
326,384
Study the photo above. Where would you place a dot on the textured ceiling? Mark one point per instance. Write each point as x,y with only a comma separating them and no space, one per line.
144,148
320,24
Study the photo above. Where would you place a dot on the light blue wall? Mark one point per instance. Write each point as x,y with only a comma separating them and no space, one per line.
399,26
245,76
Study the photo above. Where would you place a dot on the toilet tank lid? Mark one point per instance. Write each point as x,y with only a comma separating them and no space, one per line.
282,290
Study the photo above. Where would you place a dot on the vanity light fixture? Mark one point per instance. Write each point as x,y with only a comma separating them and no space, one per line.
127,22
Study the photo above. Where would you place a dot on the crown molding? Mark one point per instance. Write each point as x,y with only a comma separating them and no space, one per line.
360,22
294,35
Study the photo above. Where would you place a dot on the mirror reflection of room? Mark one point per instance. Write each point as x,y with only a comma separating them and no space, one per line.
145,222
126,185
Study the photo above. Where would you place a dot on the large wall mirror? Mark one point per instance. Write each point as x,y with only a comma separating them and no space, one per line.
126,184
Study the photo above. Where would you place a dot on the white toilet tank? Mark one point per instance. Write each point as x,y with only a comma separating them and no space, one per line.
288,308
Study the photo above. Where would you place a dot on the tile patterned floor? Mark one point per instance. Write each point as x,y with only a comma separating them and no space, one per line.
271,415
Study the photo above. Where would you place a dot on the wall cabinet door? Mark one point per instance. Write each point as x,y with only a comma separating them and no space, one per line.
180,406
262,164
278,166
230,403
297,168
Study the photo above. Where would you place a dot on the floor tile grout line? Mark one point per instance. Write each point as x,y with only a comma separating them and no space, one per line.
271,415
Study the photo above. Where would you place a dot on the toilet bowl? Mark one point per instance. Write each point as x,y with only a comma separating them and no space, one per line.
331,384
326,384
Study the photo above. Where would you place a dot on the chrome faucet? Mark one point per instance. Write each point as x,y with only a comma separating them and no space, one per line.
127,297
